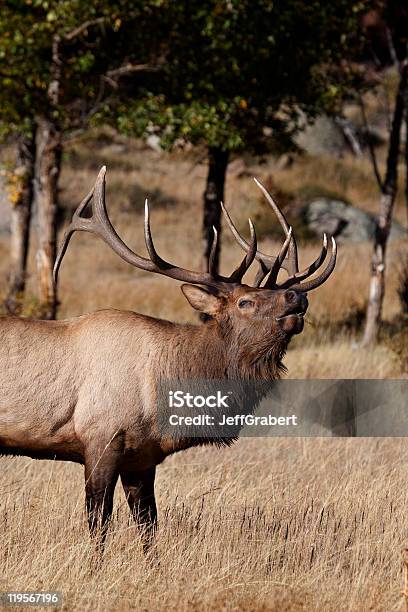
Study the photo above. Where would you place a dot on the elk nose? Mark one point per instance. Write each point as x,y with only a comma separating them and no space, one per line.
291,296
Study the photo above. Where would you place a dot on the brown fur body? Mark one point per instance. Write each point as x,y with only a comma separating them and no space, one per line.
83,390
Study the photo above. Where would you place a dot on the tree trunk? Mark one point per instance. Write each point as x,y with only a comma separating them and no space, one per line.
20,223
213,195
48,163
406,153
383,224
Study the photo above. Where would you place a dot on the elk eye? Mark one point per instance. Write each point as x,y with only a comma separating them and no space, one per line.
245,303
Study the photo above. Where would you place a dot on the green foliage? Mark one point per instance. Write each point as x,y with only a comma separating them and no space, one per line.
91,37
234,73
189,121
238,72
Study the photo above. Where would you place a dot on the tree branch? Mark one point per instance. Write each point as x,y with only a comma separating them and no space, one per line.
406,146
129,68
87,24
55,70
349,135
371,148
112,76
406,161
391,47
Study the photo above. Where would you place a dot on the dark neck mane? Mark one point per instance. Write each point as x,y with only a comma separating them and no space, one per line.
219,353
211,352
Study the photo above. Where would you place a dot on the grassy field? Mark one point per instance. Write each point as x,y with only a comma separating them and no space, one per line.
270,524
300,524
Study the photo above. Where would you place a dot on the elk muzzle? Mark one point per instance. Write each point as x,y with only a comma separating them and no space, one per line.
295,304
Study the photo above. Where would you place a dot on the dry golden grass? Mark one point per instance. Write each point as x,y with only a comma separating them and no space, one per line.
271,524
342,359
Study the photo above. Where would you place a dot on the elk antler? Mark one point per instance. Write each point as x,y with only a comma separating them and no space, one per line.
100,225
287,259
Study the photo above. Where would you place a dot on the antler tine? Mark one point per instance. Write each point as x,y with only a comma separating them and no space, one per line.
273,274
319,280
211,258
154,256
263,271
299,276
265,260
100,225
239,272
293,265
78,223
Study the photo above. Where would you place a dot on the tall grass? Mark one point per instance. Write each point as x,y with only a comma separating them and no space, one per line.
300,524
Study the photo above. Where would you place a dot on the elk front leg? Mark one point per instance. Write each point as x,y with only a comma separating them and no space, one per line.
101,475
139,492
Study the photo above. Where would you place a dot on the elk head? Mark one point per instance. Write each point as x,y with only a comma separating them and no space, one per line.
262,316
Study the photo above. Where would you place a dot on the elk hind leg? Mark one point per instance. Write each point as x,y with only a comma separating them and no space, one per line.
139,491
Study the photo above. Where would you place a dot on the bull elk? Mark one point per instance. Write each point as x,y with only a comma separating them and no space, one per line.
82,390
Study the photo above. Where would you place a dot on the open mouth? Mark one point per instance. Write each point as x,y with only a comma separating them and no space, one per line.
298,312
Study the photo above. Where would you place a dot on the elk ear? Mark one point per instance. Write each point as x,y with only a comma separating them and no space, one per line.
201,300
